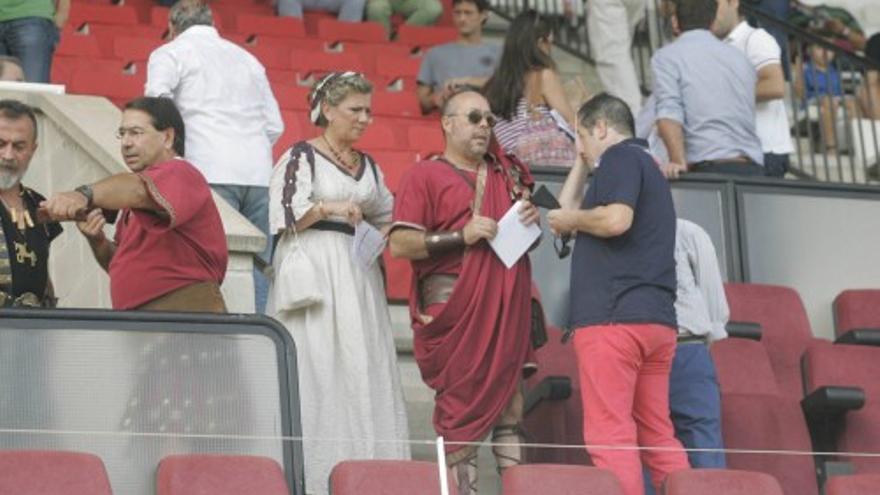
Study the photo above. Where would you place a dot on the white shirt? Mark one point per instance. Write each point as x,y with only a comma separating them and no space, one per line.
700,304
771,120
231,117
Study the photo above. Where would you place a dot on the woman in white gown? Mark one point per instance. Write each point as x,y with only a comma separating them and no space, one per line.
351,400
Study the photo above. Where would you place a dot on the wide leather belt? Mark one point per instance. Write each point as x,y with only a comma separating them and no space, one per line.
436,289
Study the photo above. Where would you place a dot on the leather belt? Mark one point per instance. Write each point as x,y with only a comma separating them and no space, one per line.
692,339
330,226
436,289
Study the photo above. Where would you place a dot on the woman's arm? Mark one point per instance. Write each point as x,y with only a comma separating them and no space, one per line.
554,94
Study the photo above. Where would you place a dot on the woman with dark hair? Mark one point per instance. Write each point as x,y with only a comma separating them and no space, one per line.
534,116
323,191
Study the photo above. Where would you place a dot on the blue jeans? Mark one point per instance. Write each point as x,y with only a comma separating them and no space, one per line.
776,165
33,41
695,406
349,10
253,203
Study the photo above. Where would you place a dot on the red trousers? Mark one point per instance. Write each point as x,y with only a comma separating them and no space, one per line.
624,380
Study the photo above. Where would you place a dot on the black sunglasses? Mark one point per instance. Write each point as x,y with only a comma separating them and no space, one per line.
476,116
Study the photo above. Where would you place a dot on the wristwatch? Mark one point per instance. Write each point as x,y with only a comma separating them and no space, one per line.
86,190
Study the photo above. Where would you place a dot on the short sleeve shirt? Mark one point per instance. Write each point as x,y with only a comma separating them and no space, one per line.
29,249
771,120
629,278
451,60
18,9
156,255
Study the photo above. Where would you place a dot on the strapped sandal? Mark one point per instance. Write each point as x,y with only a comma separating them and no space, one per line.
510,454
466,475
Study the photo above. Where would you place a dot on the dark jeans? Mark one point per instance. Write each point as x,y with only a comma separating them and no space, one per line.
253,203
695,406
33,41
728,167
776,165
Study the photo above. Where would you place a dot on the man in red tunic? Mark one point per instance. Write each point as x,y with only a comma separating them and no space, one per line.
470,314
169,253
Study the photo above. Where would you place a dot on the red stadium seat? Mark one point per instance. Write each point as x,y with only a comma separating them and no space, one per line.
372,50
396,66
63,68
856,309
385,478
75,44
722,482
291,97
394,164
755,415
529,479
81,13
333,31
285,44
554,418
396,103
107,34
159,18
271,56
229,12
219,475
25,472
424,36
296,128
110,84
134,49
426,139
855,366
378,137
786,332
323,62
859,484
286,27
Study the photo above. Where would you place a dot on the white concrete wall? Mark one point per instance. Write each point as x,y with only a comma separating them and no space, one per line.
77,145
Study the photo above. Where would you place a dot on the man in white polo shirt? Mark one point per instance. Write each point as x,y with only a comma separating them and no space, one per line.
764,53
232,119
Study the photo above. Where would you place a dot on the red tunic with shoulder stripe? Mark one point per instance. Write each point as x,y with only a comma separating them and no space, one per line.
159,254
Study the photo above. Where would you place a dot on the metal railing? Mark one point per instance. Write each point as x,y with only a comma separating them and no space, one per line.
835,132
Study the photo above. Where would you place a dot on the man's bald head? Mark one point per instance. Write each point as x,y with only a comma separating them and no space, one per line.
463,98
467,124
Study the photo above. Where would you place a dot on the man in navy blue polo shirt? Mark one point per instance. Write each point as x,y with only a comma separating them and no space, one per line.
623,287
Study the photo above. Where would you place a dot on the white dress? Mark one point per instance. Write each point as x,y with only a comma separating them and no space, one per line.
351,401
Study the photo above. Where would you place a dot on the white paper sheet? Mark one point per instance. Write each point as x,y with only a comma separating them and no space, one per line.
513,238
367,245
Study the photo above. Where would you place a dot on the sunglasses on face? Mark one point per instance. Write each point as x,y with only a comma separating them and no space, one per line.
476,116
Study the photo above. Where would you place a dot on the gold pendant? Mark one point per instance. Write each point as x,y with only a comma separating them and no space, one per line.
22,254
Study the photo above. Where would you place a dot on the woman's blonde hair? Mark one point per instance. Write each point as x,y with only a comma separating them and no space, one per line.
333,89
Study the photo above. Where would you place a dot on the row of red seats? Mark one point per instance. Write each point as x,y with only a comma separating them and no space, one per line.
282,58
249,20
42,472
770,400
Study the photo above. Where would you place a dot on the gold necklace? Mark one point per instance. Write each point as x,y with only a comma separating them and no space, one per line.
21,219
355,155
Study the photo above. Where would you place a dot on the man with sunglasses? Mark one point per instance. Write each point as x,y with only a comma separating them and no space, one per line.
623,287
470,314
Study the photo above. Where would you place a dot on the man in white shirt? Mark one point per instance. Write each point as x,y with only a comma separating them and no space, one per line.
764,53
231,117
